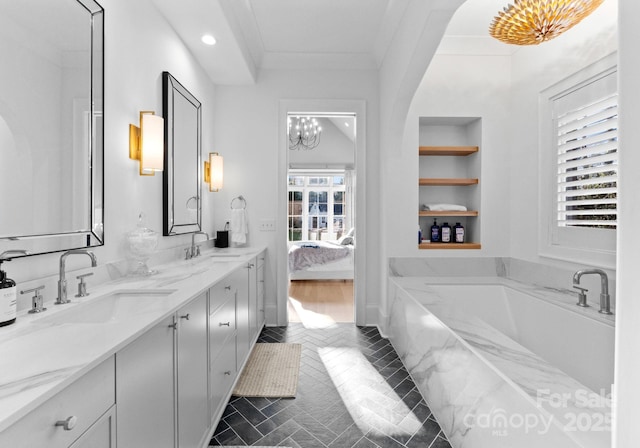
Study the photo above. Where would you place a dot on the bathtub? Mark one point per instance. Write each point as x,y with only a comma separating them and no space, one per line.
505,364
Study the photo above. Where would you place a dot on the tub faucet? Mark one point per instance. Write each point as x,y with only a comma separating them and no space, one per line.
605,300
62,281
194,250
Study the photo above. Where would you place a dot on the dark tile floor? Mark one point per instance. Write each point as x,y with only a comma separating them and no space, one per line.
353,391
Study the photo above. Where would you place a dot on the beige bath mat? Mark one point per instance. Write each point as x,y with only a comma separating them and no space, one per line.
271,371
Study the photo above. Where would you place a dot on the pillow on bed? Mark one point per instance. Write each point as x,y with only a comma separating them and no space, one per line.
345,240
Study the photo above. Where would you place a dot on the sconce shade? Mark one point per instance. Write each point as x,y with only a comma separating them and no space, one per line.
531,22
146,143
213,171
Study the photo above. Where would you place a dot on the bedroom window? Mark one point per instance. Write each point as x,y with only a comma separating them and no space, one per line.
317,205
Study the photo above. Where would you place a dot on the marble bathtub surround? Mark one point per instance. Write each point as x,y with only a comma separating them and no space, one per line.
42,354
449,267
554,277
485,389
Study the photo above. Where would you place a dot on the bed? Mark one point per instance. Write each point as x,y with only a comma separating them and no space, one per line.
320,260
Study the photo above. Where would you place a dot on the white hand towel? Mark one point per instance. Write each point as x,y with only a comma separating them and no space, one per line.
238,226
444,207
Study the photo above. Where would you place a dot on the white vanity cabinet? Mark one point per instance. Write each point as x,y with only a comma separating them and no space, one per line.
145,390
252,284
192,367
251,295
168,386
102,434
260,291
166,365
80,415
222,343
242,308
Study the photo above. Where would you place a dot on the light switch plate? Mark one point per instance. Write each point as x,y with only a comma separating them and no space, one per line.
267,225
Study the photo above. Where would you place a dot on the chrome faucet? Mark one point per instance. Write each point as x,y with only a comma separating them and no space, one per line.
605,300
194,250
62,281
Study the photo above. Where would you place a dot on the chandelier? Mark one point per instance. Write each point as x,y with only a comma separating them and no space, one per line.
531,22
304,133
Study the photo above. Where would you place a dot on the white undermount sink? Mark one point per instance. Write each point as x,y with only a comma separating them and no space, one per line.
224,255
115,306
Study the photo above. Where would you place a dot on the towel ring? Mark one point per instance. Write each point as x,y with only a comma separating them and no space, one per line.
239,198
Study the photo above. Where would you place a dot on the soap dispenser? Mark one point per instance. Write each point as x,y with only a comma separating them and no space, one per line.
8,298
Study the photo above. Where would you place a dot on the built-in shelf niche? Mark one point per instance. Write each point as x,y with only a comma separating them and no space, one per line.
449,154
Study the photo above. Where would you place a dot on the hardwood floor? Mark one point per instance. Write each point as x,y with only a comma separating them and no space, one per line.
318,303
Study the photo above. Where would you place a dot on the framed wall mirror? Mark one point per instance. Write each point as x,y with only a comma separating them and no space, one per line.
51,125
182,164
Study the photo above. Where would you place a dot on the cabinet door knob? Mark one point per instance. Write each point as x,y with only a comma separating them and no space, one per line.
228,372
173,325
186,316
225,324
228,288
68,424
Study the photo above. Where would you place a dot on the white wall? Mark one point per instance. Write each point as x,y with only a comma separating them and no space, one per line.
247,134
335,150
503,91
457,86
626,428
139,45
535,69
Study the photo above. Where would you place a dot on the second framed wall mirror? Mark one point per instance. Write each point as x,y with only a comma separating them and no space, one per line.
182,174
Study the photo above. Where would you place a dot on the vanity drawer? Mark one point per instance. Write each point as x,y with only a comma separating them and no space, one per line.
222,375
87,399
222,325
221,293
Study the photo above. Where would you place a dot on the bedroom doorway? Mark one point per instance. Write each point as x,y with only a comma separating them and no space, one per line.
321,206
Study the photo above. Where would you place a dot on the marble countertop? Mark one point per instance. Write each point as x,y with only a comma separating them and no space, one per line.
42,353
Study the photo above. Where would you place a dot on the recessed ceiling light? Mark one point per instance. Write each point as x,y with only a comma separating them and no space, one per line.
346,124
209,39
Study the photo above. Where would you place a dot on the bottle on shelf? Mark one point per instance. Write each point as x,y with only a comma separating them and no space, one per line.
8,299
419,235
445,233
435,232
458,233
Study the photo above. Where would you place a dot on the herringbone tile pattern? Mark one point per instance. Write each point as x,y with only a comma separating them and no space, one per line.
353,391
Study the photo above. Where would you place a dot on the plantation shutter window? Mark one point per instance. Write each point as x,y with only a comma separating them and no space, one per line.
586,123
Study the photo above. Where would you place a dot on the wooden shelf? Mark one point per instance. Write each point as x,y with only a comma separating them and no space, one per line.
446,181
447,150
447,213
449,246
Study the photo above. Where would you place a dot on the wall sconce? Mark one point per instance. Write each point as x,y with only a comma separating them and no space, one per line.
146,143
213,171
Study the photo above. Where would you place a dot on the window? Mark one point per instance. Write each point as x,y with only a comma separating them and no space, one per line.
588,165
317,205
579,166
